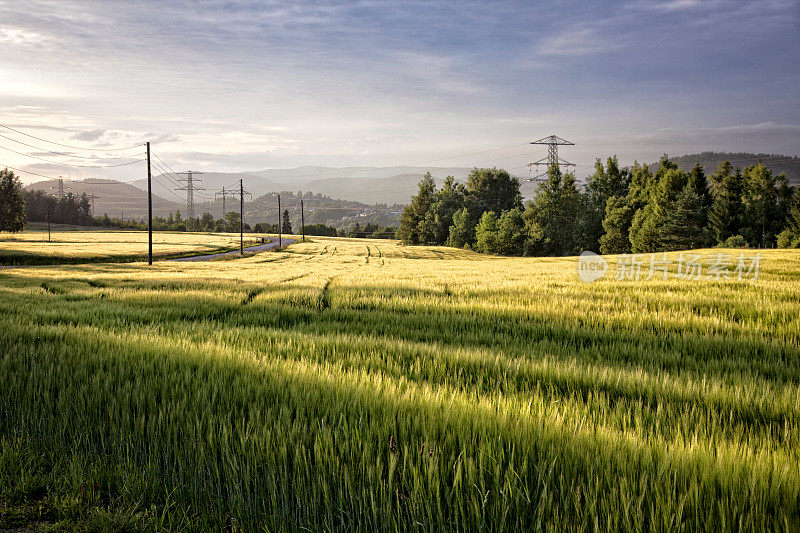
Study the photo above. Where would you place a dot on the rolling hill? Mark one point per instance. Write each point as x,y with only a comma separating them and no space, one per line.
114,198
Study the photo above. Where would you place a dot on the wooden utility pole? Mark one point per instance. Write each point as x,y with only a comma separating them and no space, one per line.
241,217
302,221
149,209
48,224
280,229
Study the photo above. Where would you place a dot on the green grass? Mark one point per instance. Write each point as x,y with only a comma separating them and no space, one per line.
348,384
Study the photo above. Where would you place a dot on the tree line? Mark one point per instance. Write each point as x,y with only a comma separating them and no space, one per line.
18,207
618,210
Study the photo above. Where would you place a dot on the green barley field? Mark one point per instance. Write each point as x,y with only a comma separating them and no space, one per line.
364,385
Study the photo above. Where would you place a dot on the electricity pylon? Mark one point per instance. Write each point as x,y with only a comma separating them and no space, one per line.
552,160
190,188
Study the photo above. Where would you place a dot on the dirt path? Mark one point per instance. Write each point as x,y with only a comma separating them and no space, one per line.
273,243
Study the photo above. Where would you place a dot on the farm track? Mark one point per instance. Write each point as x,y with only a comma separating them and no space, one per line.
250,249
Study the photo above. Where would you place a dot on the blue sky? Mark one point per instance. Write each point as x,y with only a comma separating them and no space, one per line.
250,85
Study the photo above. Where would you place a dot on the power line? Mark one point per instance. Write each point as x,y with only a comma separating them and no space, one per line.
69,164
67,145
165,164
26,171
166,174
61,153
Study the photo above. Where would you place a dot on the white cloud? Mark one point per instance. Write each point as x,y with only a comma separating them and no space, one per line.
675,5
19,36
575,43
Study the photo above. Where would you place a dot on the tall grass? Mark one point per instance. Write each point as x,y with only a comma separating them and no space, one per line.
333,386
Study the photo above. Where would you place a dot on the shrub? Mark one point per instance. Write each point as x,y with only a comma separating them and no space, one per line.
734,241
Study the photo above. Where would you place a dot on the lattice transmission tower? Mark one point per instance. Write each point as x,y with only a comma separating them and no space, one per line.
192,185
552,160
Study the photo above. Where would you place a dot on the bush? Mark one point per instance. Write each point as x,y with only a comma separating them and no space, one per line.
786,238
734,241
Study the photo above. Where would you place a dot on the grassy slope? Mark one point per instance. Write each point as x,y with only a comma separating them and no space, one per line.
80,245
353,384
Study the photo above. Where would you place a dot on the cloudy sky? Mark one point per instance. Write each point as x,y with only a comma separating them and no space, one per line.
241,85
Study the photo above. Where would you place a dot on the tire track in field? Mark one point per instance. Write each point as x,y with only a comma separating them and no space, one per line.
324,297
251,295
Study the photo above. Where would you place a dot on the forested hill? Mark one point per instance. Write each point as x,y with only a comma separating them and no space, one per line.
711,160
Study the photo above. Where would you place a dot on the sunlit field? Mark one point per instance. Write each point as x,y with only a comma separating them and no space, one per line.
359,384
71,245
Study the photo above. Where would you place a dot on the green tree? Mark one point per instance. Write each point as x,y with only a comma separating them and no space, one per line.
84,208
12,203
698,183
435,227
206,222
552,218
718,177
180,224
645,235
286,224
487,234
616,224
790,237
727,210
793,221
462,232
493,190
683,225
511,232
618,219
231,222
415,213
785,197
605,183
760,205
662,193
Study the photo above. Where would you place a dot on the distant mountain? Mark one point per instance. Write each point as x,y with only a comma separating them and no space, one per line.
393,189
304,175
711,160
383,185
166,185
113,198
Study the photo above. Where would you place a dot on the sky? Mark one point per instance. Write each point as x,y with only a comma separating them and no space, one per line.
244,85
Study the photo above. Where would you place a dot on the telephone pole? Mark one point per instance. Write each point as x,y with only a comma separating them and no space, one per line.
280,229
302,221
192,185
241,217
552,160
48,223
149,209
